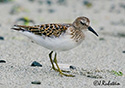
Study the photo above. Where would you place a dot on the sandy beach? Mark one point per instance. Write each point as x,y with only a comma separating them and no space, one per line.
98,61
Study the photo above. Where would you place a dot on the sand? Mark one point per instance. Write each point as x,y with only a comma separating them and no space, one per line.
94,59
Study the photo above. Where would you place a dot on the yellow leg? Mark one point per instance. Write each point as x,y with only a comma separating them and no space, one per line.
53,67
50,56
59,70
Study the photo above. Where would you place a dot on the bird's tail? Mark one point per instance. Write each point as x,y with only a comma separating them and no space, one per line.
23,28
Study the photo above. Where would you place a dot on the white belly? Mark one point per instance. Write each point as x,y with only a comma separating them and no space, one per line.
61,43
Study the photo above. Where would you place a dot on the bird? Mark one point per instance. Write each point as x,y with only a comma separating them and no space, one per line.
58,37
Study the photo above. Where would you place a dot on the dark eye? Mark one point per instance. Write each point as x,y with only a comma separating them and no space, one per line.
82,23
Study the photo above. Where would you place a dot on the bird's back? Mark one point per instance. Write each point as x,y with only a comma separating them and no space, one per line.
48,30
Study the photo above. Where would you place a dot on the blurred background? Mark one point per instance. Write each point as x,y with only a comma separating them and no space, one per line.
108,14
107,17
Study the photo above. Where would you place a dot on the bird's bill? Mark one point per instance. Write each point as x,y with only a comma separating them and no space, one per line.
92,30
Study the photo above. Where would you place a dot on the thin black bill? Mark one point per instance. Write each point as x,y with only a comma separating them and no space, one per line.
91,29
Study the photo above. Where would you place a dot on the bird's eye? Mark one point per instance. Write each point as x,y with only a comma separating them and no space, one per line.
82,22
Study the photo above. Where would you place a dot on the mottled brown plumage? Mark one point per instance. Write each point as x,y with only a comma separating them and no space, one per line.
45,29
77,35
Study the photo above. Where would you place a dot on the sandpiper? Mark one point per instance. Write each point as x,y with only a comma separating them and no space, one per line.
58,37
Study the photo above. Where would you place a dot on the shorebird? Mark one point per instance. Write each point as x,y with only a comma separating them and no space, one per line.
58,37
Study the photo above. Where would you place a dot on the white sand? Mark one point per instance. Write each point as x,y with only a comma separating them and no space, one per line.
18,51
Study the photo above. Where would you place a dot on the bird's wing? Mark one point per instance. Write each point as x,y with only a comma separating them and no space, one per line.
45,29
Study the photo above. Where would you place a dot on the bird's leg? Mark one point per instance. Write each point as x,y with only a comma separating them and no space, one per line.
53,67
50,56
59,70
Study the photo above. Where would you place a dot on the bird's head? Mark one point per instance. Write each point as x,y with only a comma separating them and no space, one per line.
82,23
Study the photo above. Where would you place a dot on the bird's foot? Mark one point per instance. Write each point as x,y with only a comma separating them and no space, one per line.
53,68
58,69
61,72
67,75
